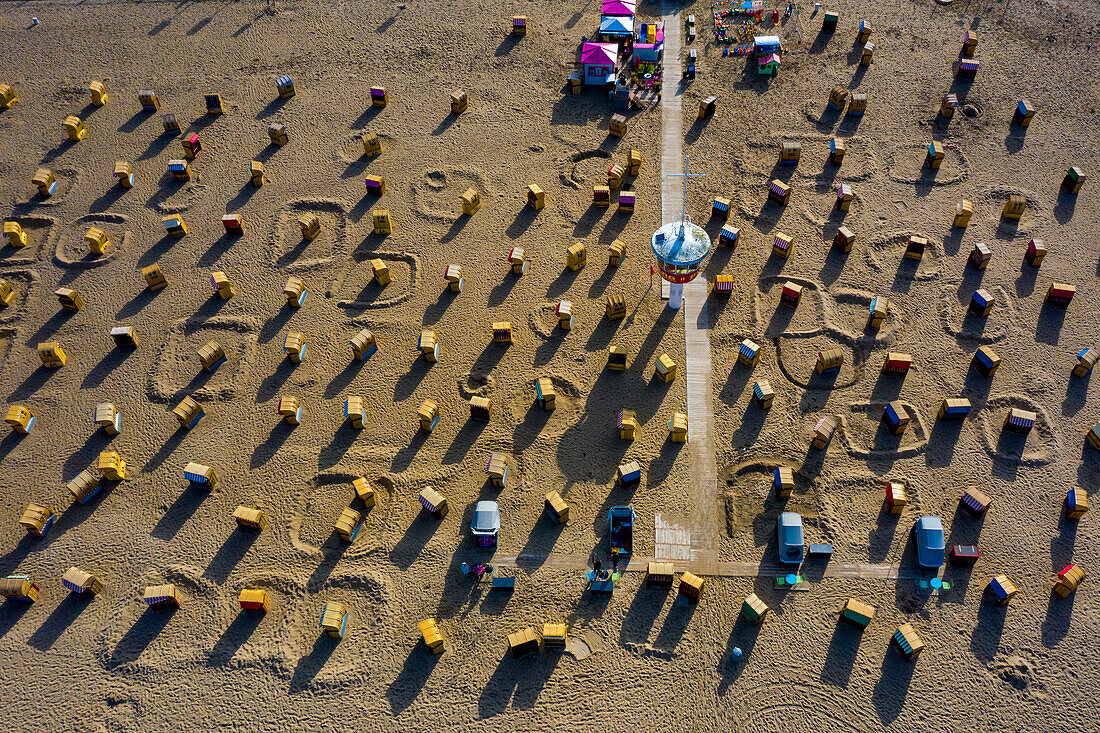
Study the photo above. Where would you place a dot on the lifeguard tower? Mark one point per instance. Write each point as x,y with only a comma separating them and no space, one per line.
680,247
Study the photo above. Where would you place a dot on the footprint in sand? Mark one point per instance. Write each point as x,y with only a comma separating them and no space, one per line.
25,284
355,287
294,253
39,230
177,367
437,193
72,249
1038,448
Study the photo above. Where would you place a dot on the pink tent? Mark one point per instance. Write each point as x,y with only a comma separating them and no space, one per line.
599,53
619,7
598,60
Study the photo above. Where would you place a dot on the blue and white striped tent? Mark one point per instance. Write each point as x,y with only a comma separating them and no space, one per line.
285,86
617,26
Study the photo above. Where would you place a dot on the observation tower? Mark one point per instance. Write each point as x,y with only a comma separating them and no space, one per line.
680,247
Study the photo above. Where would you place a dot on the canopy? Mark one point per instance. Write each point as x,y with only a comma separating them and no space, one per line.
680,244
647,51
619,7
617,25
768,43
599,53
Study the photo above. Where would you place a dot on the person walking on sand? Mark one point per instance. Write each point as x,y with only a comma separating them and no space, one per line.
615,561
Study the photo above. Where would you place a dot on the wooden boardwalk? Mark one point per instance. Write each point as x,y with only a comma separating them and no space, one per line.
704,505
672,135
529,561
704,474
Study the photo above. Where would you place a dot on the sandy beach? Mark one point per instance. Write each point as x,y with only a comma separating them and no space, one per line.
637,659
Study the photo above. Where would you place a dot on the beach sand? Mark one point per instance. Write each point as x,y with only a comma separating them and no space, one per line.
637,661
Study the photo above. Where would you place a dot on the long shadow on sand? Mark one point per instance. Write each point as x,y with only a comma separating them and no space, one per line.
331,551
33,383
178,514
233,638
10,613
231,552
418,534
309,665
676,623
539,546
140,636
404,690
1057,623
464,441
341,442
642,614
166,450
110,361
742,637
60,619
986,636
137,303
892,687
266,450
841,655
516,681
405,456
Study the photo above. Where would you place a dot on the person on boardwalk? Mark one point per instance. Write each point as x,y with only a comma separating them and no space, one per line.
595,560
